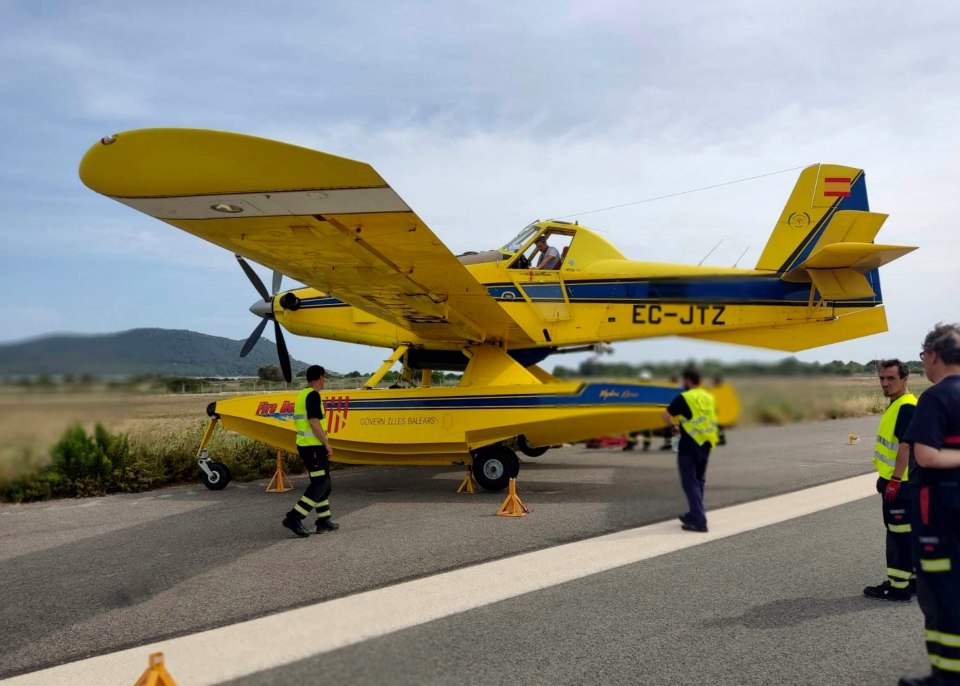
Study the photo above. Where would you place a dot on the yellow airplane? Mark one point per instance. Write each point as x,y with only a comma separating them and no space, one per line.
377,275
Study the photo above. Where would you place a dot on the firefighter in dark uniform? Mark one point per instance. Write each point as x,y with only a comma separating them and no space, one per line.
315,452
698,433
934,437
891,457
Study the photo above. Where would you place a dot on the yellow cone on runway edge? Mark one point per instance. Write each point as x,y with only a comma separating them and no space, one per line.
156,674
469,484
513,506
280,483
852,439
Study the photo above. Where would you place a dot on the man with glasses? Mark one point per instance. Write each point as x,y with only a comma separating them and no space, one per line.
934,437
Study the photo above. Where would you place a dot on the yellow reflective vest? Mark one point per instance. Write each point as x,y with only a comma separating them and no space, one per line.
885,451
702,425
305,435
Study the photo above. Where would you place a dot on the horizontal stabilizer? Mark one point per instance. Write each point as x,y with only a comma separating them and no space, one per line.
863,257
852,226
837,269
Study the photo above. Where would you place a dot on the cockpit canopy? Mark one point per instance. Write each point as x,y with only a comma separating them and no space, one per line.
576,246
521,239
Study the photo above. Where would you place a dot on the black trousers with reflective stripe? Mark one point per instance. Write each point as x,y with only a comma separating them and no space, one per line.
938,586
314,458
899,543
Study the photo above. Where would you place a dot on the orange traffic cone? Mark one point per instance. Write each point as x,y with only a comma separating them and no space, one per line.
280,483
156,674
513,506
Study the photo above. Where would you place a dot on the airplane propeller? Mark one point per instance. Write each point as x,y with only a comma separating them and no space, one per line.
264,308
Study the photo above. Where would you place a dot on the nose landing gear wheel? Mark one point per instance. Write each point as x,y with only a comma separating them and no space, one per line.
218,477
494,466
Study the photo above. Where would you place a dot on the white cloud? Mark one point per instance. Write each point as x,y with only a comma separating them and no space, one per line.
485,117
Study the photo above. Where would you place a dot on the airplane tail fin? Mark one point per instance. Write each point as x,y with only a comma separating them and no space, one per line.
825,236
825,240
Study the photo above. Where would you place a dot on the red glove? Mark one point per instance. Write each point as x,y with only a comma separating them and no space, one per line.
890,492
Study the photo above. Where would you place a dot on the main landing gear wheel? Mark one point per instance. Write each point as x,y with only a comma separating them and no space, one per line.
494,466
528,449
218,476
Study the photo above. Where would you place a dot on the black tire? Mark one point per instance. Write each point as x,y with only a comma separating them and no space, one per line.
528,449
494,466
220,478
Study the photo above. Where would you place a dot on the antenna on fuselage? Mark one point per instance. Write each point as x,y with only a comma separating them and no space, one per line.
741,256
711,252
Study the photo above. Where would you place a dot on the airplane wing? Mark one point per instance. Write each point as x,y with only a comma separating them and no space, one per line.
326,221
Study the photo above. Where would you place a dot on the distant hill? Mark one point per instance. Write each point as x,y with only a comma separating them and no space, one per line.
164,352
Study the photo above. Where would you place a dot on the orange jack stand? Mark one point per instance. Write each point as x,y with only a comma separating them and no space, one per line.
280,483
469,484
156,674
512,505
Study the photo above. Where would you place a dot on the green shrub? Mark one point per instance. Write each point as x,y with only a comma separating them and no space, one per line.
99,463
40,485
90,464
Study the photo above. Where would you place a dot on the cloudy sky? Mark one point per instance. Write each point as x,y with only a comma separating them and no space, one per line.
483,116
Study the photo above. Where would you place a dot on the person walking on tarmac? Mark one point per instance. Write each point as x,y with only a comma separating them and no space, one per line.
698,433
934,438
891,457
315,452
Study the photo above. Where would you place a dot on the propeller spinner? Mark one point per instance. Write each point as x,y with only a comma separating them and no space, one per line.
264,308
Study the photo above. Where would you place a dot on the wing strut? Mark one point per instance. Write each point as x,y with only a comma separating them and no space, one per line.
385,367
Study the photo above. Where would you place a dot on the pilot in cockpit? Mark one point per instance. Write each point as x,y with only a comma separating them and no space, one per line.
549,256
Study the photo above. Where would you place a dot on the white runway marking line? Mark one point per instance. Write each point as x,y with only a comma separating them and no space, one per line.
230,652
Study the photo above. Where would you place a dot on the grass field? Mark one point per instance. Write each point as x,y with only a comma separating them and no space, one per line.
784,400
32,421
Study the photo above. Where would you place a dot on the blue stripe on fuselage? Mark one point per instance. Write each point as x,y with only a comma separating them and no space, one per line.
312,303
732,290
597,394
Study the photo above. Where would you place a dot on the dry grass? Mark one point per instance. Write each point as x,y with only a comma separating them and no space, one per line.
782,400
31,422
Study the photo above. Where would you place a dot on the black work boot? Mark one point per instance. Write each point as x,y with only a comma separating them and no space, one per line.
295,525
325,525
887,592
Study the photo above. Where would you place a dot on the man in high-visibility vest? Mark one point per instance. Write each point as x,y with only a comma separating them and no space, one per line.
891,457
315,452
934,438
697,415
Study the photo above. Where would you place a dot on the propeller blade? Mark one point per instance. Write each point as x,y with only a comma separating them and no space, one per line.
254,337
277,278
282,352
254,279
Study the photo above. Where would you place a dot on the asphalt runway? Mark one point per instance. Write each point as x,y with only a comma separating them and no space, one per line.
90,577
